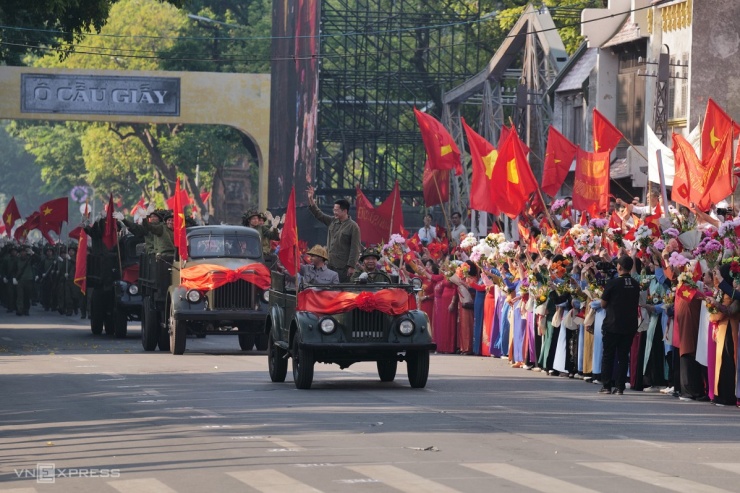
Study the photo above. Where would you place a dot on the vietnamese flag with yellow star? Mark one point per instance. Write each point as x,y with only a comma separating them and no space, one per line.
442,152
606,135
52,214
11,215
559,156
180,238
483,156
513,177
718,178
591,183
716,124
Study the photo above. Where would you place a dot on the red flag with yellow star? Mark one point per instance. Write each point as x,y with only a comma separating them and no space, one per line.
483,156
606,135
442,152
513,178
716,124
559,156
52,214
11,215
719,178
179,236
591,184
687,184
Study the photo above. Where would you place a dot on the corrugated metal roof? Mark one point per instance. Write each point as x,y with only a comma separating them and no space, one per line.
620,168
579,72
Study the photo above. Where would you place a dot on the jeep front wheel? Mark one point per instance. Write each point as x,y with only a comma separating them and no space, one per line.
387,369
246,341
177,333
417,365
277,363
302,364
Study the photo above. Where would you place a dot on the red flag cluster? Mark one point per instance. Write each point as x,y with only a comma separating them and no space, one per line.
379,223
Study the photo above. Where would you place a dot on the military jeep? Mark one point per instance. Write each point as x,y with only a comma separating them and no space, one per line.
114,296
222,288
346,324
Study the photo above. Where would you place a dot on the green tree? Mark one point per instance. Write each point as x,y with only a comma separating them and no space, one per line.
21,179
38,26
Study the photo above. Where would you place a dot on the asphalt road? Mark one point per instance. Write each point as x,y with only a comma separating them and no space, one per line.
96,414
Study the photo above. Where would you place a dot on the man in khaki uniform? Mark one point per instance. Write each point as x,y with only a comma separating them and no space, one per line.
370,272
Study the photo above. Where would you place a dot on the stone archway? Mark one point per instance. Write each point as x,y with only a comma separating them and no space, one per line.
241,101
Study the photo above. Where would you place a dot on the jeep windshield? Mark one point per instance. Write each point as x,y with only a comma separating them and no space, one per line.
229,245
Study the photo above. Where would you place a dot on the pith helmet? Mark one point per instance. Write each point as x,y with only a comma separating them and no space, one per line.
319,251
370,252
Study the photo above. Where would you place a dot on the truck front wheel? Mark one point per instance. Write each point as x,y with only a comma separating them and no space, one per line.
277,363
177,333
149,326
417,364
302,364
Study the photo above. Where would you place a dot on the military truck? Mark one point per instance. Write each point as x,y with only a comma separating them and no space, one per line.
344,324
222,288
114,293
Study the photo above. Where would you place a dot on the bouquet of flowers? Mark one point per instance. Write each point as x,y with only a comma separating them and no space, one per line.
395,248
643,236
617,235
508,249
481,251
558,207
598,225
467,243
714,302
495,239
709,249
669,296
462,270
677,261
559,269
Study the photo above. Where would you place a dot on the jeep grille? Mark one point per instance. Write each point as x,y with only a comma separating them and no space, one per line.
239,295
367,326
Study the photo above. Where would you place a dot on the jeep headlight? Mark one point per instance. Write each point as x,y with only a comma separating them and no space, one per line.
266,296
193,296
406,327
327,325
133,290
416,283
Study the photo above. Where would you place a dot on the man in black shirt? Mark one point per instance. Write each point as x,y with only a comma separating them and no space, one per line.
621,300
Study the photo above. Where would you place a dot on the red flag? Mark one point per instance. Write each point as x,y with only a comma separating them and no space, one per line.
2,229
536,205
179,236
442,152
524,233
378,223
567,241
494,228
653,221
503,135
204,196
483,157
606,135
184,199
11,215
558,158
687,183
75,233
716,124
436,185
287,253
80,278
31,223
718,176
139,205
110,233
513,178
615,222
584,220
52,214
591,185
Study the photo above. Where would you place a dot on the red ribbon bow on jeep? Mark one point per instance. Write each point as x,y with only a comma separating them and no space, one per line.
205,277
392,301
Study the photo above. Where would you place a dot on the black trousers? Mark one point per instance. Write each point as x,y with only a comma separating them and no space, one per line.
692,384
615,345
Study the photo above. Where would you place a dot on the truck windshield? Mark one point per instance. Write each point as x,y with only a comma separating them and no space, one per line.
224,245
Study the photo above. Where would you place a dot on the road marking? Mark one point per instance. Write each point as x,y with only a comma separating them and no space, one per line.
726,466
271,481
654,478
147,485
284,445
402,480
20,490
527,478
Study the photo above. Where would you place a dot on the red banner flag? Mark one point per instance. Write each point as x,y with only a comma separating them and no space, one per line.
80,279
110,233
288,253
139,205
559,156
179,236
716,124
513,178
11,215
379,223
483,156
687,184
52,214
718,176
184,199
31,223
591,185
436,185
606,135
442,152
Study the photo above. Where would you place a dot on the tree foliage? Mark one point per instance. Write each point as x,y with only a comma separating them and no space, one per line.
21,179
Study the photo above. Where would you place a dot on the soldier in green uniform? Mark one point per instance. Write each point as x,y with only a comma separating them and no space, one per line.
23,281
370,272
8,263
67,301
160,227
256,220
46,266
141,230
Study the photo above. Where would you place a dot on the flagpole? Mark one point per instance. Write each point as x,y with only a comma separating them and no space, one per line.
393,211
439,194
